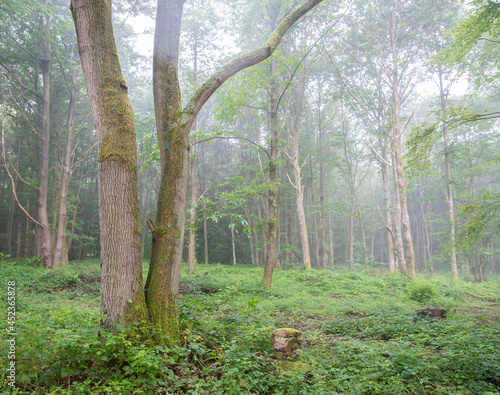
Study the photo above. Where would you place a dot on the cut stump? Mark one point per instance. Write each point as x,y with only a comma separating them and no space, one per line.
433,313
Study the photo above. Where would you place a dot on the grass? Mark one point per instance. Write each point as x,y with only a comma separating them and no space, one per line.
361,334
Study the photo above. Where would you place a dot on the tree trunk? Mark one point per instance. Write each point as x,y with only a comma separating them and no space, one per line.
396,144
192,218
294,159
205,234
43,231
122,292
145,228
250,236
449,182
273,180
388,215
232,243
18,241
397,220
60,251
332,252
27,237
351,239
324,255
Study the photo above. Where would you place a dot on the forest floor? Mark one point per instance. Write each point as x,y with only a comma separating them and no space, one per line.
361,334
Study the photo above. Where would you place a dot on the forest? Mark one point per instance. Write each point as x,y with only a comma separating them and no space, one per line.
180,179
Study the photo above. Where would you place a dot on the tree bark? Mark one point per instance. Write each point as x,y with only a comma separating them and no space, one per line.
122,293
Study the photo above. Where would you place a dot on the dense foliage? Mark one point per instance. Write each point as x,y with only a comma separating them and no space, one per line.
361,335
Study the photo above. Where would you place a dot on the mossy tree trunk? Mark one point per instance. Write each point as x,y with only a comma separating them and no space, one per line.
173,127
122,292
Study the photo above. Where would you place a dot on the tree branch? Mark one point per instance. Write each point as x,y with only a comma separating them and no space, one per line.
242,62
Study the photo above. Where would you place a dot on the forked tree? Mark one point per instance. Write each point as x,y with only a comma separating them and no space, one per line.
122,296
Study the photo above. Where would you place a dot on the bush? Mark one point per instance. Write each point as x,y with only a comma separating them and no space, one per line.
423,293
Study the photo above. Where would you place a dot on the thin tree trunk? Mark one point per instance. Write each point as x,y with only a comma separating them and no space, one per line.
232,242
449,182
324,256
205,233
294,159
28,232
250,235
409,262
73,220
18,241
60,251
273,180
397,221
43,231
278,240
145,229
193,163
388,215
332,252
351,240
192,219
12,208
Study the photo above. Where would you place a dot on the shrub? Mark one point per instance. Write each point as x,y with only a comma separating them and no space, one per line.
423,293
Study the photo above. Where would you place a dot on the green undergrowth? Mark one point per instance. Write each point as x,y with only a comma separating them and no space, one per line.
361,334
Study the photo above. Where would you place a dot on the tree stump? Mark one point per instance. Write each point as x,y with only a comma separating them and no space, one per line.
432,313
286,343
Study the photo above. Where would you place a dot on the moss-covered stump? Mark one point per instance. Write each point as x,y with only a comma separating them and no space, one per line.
286,343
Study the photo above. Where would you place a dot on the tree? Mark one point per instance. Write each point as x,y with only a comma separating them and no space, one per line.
122,294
